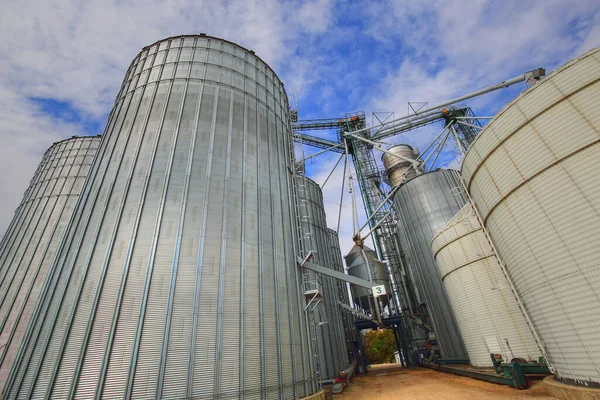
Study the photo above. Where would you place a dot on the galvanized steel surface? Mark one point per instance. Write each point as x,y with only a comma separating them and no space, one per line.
397,169
485,308
424,205
348,319
178,277
30,243
533,174
335,254
370,270
328,317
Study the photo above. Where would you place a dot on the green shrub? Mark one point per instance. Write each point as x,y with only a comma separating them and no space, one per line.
380,346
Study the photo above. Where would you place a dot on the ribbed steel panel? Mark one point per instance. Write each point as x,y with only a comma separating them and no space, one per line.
31,241
178,276
424,205
397,169
485,308
328,316
337,263
370,269
532,173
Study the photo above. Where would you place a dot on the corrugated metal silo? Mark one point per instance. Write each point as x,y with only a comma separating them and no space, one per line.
328,318
483,303
178,278
30,243
424,205
533,174
335,254
337,263
362,262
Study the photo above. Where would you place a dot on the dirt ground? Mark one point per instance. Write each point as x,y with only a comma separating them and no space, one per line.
389,381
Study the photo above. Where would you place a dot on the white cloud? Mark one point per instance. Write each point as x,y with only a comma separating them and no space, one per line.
77,52
592,38
26,134
451,48
315,15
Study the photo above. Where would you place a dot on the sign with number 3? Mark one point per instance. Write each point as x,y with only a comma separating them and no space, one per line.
378,290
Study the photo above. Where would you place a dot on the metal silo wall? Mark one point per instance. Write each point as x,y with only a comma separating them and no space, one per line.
424,205
330,336
178,278
533,174
341,288
34,234
485,308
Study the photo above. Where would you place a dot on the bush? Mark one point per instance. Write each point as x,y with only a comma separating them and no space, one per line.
380,346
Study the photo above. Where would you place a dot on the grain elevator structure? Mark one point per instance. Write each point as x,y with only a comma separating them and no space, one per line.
185,253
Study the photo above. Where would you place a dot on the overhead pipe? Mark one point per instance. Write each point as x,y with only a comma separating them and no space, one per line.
533,74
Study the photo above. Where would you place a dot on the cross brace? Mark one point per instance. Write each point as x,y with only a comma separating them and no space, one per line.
337,275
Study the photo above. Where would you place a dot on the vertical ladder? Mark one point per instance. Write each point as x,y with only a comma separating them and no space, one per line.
315,344
301,247
310,285
310,282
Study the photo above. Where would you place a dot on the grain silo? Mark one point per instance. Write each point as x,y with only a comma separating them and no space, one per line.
327,314
178,278
362,262
483,303
424,205
30,243
533,175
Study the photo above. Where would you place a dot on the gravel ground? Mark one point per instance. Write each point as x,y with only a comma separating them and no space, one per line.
388,381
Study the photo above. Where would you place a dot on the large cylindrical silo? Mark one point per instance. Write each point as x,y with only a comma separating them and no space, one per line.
424,205
487,313
178,278
533,174
327,314
30,243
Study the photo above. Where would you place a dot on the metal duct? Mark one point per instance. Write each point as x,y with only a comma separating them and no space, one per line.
424,205
399,170
34,234
533,175
178,278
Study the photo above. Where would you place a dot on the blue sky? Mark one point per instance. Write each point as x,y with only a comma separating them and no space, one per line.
62,62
